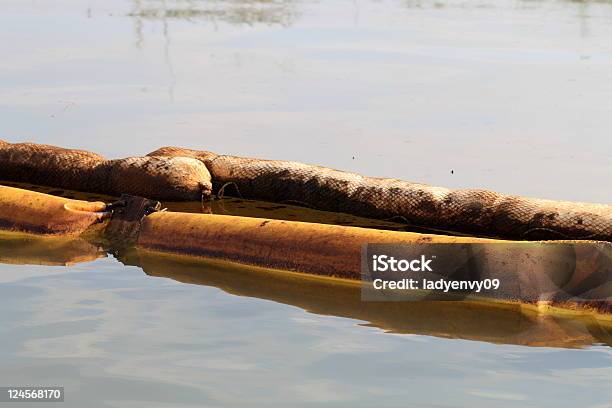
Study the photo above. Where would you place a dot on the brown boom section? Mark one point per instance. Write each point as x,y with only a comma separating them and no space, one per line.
470,211
163,178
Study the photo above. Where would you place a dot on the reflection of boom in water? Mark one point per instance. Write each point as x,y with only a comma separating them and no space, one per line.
505,323
30,250
501,323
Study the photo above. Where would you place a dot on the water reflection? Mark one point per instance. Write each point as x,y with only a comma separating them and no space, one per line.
507,324
502,324
26,250
286,12
584,9
247,12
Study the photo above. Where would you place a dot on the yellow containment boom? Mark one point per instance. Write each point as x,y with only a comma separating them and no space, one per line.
23,211
321,249
550,271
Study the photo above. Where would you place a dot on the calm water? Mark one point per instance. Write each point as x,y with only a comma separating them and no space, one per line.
114,336
511,95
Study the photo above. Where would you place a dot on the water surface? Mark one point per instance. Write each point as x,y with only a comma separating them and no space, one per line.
113,336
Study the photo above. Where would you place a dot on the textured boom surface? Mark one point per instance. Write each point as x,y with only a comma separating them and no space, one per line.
163,178
177,174
470,211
